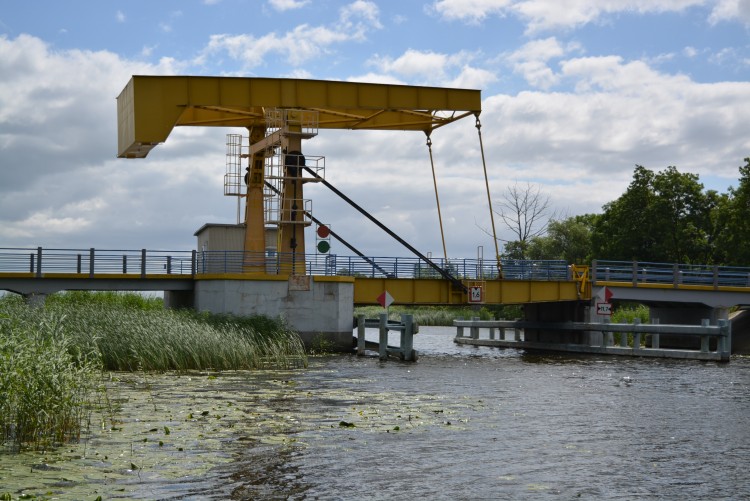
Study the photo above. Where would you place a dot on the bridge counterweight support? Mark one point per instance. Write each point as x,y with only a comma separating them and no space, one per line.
255,236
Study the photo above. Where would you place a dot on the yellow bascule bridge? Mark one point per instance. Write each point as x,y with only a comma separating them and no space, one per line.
270,171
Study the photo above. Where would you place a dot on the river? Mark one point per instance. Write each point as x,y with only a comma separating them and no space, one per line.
460,423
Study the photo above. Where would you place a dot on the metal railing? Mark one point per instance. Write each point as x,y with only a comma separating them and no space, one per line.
635,272
377,267
91,262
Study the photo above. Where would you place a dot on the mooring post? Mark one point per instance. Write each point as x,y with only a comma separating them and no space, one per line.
636,321
360,334
725,341
383,337
705,322
606,336
407,337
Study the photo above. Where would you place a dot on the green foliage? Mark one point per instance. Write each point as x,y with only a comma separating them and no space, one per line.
734,234
51,358
568,239
661,217
105,299
627,314
46,384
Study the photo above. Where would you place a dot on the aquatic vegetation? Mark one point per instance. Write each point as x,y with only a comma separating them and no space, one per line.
46,385
51,358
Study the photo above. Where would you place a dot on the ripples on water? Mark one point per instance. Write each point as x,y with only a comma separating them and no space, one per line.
461,423
501,424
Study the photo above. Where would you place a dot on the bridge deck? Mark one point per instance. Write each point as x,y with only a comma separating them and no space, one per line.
409,280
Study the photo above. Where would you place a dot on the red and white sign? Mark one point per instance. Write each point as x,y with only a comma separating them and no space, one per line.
604,294
604,309
385,299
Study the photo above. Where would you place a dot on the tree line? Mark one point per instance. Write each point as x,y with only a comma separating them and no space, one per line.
665,216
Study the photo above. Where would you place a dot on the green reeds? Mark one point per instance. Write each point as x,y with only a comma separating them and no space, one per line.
51,357
45,386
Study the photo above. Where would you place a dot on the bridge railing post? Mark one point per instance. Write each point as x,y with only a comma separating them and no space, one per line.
39,262
143,263
635,274
705,322
91,262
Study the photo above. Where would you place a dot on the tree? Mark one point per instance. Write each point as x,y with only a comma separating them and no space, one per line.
662,217
736,218
525,211
568,239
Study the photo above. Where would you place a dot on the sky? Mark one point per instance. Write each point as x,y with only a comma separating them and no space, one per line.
575,94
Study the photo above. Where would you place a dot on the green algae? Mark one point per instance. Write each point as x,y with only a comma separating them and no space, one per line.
177,434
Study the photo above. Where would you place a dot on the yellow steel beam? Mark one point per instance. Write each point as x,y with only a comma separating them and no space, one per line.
149,107
438,291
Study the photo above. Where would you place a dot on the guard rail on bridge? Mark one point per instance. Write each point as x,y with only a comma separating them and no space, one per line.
37,262
383,267
93,262
638,273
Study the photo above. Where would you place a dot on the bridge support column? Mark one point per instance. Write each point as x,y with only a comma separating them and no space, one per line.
559,311
321,309
686,314
178,299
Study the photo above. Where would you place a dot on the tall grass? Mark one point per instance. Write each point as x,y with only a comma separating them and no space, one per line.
51,358
45,383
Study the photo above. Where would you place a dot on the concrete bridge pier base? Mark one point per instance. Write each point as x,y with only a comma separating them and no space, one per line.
686,314
321,309
555,312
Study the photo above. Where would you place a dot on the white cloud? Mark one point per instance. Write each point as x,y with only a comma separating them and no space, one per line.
542,15
284,5
729,10
432,68
120,16
470,10
299,45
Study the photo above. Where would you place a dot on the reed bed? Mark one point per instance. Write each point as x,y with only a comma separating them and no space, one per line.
52,358
46,384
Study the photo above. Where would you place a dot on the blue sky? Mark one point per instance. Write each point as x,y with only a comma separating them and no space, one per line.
575,94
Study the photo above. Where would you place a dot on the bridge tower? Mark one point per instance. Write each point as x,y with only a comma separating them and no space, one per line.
279,114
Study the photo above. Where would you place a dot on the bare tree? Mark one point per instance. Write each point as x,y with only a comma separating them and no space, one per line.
525,211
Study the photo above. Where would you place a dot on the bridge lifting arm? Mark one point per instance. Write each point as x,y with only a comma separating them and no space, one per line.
445,274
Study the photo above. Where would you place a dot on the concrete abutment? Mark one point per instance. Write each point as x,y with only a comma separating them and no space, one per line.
321,309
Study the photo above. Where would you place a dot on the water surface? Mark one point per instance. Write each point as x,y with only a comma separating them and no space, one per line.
461,423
